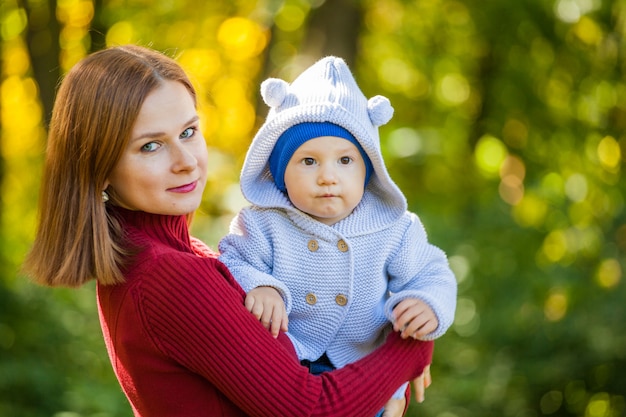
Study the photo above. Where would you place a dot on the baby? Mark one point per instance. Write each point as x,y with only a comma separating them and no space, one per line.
328,250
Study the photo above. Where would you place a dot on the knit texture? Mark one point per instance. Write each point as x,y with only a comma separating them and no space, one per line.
270,247
182,344
388,247
324,92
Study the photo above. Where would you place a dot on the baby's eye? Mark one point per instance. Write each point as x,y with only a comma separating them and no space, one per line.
150,147
187,133
345,160
308,161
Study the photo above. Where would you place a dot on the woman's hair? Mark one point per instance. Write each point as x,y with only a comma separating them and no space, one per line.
95,109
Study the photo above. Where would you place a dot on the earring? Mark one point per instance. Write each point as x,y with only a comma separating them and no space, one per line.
105,197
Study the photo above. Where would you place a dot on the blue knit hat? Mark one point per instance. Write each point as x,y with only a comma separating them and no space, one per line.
325,94
296,135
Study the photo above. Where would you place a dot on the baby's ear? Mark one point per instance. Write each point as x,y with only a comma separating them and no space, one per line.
380,110
274,91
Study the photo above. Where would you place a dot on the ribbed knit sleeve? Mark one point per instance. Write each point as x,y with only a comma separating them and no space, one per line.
196,316
182,343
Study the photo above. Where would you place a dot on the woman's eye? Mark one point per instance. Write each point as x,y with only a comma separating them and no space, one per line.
187,133
150,147
345,160
308,161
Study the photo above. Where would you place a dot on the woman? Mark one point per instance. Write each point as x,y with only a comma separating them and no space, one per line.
126,165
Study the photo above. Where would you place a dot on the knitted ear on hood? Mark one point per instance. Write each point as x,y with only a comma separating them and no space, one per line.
380,110
325,92
274,91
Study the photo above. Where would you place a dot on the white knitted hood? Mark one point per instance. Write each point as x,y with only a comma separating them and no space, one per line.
325,92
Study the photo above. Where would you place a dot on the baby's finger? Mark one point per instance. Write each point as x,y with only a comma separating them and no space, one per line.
266,318
257,309
249,303
276,323
405,312
398,312
429,327
412,329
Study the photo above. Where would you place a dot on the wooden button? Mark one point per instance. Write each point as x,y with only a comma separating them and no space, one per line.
341,300
313,245
342,246
311,299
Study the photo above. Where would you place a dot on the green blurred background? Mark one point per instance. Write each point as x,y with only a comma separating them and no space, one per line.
508,140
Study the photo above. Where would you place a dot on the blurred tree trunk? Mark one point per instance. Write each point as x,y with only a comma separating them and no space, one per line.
334,29
42,40
98,29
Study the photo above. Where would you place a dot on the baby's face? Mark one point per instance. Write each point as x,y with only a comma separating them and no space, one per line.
325,178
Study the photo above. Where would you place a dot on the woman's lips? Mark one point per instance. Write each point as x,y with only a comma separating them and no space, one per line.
187,188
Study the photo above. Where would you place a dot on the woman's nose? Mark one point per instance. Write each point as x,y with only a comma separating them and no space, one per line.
183,158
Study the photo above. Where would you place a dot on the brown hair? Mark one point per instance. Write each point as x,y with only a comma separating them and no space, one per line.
95,109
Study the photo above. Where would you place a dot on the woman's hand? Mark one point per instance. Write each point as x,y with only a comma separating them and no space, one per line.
394,407
421,383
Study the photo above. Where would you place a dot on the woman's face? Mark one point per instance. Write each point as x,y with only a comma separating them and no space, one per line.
164,168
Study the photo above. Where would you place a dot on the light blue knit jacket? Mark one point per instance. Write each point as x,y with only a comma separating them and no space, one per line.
388,256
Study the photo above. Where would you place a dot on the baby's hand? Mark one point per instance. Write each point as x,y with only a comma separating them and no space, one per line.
394,407
266,304
414,318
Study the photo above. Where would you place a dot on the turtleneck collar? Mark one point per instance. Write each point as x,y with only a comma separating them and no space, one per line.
170,230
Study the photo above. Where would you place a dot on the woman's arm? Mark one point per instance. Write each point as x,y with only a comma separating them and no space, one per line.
197,317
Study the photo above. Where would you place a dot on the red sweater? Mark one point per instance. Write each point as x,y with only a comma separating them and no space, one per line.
182,343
